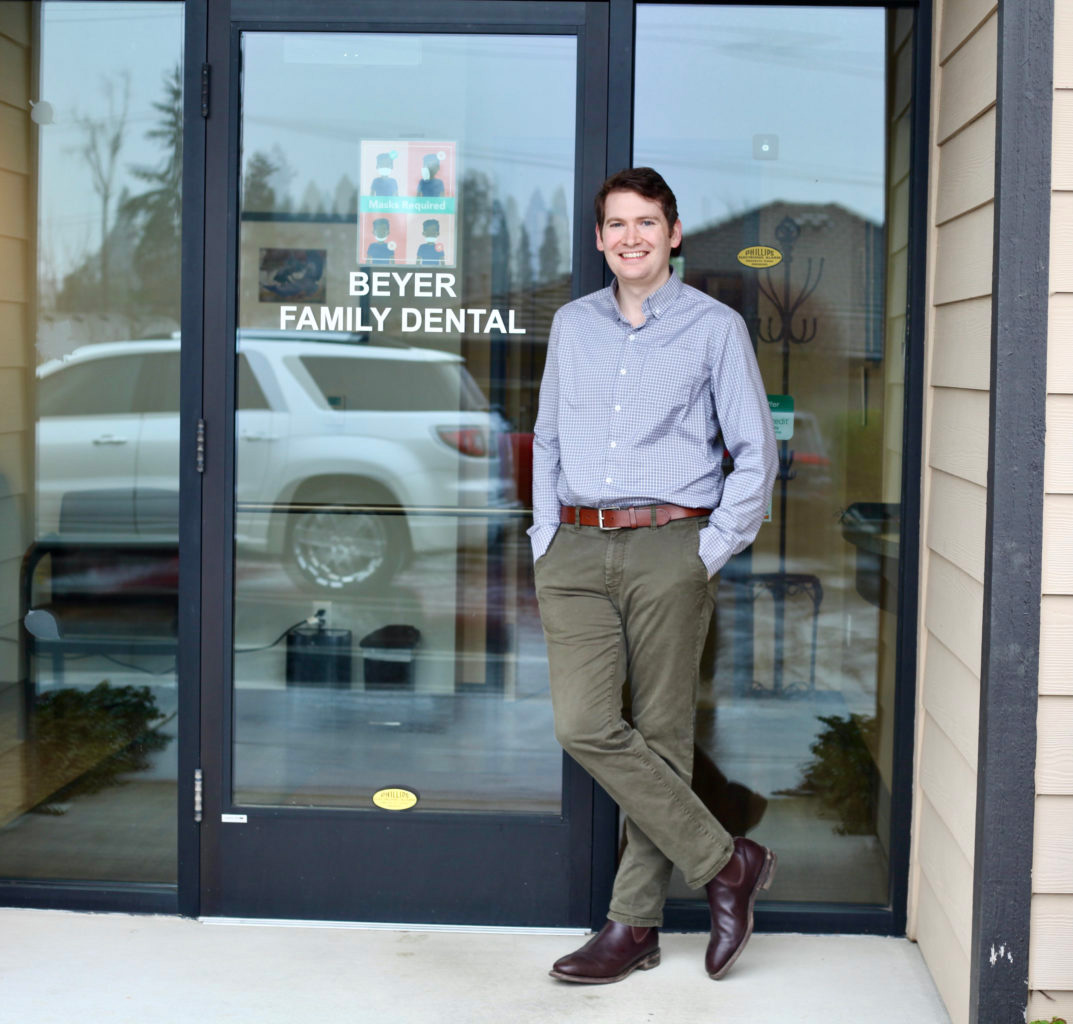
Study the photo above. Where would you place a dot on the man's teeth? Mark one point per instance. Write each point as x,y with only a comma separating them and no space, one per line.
633,255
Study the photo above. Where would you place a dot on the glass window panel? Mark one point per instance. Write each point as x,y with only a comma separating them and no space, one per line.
88,486
387,483
97,387
158,386
796,709
250,394
380,385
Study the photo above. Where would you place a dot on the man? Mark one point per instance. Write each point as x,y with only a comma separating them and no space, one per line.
632,518
430,251
381,252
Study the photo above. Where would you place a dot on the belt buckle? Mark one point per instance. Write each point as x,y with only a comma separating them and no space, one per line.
600,519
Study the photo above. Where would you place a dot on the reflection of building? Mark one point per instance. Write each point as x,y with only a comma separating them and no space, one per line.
850,304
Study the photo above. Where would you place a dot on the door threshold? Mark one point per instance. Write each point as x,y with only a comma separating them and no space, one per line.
384,926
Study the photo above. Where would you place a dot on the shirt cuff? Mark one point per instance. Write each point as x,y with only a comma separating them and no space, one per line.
541,537
714,552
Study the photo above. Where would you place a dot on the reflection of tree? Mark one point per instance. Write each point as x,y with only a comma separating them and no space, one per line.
475,236
257,191
549,252
102,141
158,210
523,262
280,179
560,217
135,271
312,200
512,222
536,218
345,202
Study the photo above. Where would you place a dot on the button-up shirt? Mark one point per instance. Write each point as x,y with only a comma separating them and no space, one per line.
639,416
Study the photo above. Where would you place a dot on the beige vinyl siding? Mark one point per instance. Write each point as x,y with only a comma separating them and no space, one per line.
941,946
1056,645
1050,968
954,500
898,168
965,327
16,435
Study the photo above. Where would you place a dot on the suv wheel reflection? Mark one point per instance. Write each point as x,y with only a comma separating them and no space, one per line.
339,551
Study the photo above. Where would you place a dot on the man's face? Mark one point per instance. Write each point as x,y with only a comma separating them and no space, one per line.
636,239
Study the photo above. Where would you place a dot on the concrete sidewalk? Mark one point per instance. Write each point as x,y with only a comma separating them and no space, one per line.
114,968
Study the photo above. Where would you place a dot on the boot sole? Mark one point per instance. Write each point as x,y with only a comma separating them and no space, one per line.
763,881
649,961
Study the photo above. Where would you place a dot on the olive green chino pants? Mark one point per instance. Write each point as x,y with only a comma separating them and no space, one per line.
633,607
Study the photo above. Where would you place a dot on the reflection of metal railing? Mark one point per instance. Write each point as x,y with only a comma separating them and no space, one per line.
83,595
350,508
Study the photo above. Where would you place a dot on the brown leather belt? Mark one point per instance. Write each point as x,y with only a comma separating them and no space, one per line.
628,518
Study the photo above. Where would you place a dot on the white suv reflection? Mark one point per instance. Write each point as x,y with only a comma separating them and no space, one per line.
317,422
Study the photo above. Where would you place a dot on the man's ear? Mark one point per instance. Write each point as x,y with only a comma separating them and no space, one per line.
599,239
676,234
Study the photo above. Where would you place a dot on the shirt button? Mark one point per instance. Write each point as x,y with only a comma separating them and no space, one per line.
632,337
618,408
623,370
607,479
614,444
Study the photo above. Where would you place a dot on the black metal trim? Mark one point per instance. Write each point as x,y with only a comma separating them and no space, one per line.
415,15
594,861
99,897
905,689
221,157
782,3
682,915
620,84
188,664
1013,540
618,154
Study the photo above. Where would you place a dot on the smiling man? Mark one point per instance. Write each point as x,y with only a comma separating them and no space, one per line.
645,382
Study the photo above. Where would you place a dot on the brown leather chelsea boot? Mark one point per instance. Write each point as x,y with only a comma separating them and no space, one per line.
613,952
731,895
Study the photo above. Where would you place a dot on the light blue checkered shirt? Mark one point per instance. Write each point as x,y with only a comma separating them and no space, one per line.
630,416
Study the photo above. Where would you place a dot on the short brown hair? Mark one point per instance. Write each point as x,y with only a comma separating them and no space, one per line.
647,183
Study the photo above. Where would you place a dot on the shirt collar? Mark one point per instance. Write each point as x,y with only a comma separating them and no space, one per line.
661,299
657,304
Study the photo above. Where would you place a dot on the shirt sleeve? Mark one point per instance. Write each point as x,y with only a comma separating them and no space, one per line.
546,452
745,420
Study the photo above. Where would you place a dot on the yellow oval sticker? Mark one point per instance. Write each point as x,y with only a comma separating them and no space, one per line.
759,256
394,799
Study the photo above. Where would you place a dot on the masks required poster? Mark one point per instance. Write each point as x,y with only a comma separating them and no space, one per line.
406,211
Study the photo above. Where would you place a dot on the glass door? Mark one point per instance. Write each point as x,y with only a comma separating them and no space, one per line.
396,237
795,203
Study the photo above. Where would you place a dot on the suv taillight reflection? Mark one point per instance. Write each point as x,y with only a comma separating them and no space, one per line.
467,440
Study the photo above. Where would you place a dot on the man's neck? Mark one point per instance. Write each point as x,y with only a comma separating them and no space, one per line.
631,300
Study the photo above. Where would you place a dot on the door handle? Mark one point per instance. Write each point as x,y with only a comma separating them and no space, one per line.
109,439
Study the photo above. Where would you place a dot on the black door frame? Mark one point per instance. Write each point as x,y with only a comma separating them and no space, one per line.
239,861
